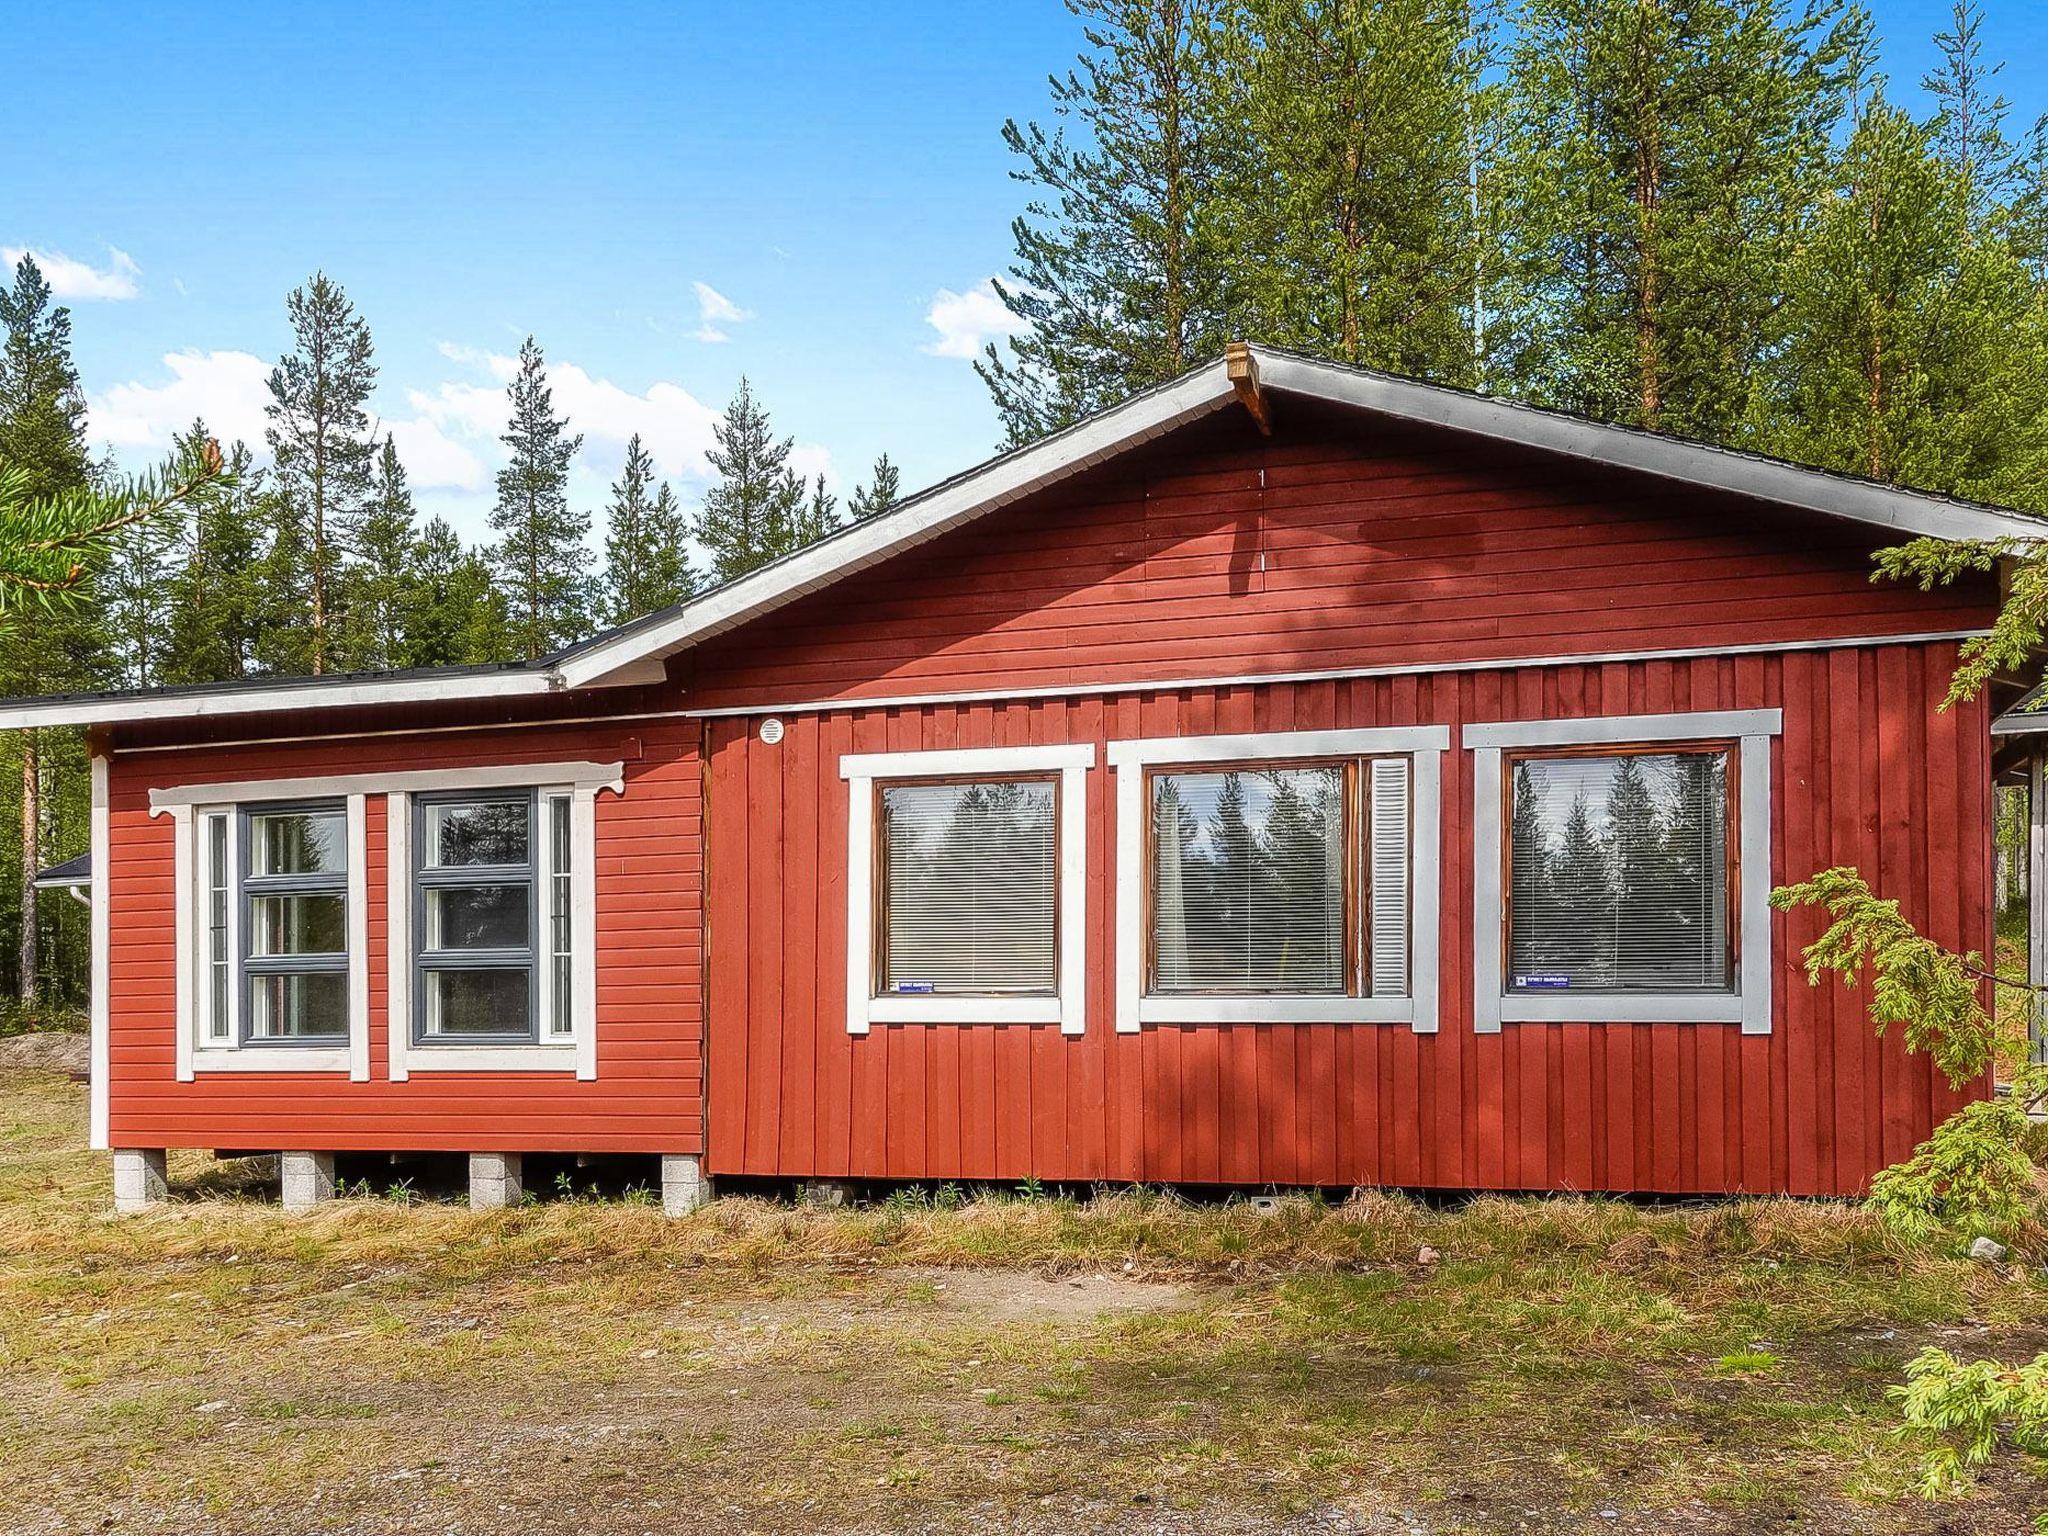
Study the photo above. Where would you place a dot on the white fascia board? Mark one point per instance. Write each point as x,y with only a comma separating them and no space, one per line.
1792,485
1017,475
356,693
578,775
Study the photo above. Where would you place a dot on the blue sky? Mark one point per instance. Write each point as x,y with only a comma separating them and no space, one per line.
668,196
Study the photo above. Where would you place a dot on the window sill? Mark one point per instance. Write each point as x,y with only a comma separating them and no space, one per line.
927,1008
1629,1008
273,1058
446,1056
1258,1009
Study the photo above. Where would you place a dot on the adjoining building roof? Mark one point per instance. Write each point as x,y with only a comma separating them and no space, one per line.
636,652
72,874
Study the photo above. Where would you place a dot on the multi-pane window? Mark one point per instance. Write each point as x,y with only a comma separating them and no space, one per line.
561,949
295,922
218,966
969,888
475,885
1279,878
1619,872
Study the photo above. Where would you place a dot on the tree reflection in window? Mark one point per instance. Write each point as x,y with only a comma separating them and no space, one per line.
1618,873
1248,872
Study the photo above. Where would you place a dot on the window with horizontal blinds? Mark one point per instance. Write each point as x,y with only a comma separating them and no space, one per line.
969,888
1618,873
1391,883
1254,882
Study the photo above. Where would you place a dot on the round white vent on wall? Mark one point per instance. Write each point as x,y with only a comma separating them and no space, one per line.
771,730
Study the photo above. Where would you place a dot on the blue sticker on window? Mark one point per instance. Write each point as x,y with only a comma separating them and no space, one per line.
916,986
1545,982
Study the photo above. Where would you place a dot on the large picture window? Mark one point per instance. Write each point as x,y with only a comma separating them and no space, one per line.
969,895
966,886
1622,869
295,923
1618,872
1276,878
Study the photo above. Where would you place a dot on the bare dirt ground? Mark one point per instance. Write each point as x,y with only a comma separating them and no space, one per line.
1124,1366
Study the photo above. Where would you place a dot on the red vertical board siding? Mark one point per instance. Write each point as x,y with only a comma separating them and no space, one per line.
1867,771
648,1095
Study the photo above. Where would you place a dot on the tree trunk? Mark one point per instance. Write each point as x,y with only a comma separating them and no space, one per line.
31,861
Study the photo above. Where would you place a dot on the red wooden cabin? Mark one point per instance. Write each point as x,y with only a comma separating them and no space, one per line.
1293,776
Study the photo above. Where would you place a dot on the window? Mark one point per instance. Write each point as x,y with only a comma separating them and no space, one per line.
1622,869
218,979
561,930
475,918
969,890
295,918
1278,878
1618,873
966,886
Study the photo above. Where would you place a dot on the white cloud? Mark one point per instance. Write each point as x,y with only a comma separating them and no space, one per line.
227,390
674,425
966,322
433,459
715,310
70,278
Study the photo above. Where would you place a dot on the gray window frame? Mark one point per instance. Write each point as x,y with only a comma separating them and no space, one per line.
251,887
425,877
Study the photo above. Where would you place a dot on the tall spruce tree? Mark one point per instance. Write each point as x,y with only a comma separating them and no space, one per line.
1352,211
382,540
216,608
816,516
1666,153
1969,131
1118,281
647,561
320,445
540,557
748,516
879,495
42,439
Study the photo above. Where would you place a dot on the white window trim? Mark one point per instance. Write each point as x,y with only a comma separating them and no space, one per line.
576,1052
1424,744
188,818
1750,1004
861,770
579,775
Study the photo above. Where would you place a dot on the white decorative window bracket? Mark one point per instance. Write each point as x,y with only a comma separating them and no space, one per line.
861,770
1423,744
1750,1003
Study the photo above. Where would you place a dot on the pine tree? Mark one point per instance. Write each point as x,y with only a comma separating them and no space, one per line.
541,557
815,517
136,592
42,439
1118,280
1969,132
1916,346
320,444
1351,214
647,561
1666,152
452,612
382,539
216,611
747,518
879,495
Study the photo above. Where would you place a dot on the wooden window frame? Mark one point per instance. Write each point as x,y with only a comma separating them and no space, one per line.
866,1006
1422,745
1747,736
1730,751
879,882
1357,873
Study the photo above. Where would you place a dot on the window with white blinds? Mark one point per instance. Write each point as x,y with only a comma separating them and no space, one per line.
1618,873
1277,878
969,896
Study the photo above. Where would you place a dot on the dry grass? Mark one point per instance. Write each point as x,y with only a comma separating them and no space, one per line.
1007,1365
